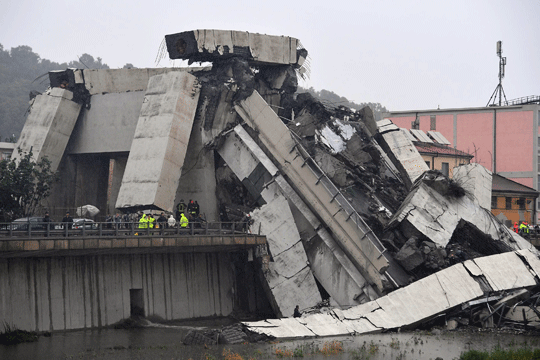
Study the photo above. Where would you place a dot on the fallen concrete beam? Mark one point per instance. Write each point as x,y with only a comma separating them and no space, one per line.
331,266
159,146
347,227
426,212
49,125
417,302
209,45
289,280
477,181
400,149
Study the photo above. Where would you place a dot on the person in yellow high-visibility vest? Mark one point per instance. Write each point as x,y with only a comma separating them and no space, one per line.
151,221
183,220
143,222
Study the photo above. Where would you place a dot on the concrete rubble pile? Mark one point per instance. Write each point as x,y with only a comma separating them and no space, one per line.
349,208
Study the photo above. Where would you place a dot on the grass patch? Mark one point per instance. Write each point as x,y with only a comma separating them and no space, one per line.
12,335
501,354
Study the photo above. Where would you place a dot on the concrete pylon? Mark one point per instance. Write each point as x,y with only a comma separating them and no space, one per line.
49,125
160,142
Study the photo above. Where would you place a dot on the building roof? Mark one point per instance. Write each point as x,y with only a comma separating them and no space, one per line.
502,184
439,149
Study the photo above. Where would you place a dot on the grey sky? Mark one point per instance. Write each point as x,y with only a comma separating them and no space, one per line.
404,54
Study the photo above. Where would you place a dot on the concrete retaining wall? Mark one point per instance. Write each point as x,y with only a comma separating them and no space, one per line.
60,293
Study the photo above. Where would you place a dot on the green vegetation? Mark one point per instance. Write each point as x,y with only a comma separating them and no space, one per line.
332,99
501,354
23,71
24,185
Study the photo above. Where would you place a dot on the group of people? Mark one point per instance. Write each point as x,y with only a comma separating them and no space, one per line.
524,228
190,212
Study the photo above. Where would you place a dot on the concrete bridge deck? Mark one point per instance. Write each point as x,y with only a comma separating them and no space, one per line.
124,239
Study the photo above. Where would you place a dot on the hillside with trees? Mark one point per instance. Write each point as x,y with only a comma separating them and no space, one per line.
23,71
332,99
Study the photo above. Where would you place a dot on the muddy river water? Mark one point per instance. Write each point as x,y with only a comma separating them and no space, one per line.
165,342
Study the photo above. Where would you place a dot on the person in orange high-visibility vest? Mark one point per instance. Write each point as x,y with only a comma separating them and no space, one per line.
516,227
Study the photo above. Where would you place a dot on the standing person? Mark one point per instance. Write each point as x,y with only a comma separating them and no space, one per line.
162,220
46,223
180,208
118,220
126,219
143,222
67,220
183,221
171,222
196,209
133,219
516,227
151,221
191,209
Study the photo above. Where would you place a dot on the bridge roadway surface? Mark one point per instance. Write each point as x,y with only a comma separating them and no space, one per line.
124,239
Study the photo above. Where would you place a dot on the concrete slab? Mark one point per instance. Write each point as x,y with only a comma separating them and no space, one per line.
109,125
48,126
353,235
425,211
477,180
420,300
158,150
210,44
331,266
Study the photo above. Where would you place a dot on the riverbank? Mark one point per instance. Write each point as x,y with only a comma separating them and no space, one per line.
164,341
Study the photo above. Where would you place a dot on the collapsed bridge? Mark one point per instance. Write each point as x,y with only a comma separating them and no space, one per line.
341,198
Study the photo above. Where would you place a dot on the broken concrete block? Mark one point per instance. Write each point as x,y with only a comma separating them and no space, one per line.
427,213
347,227
401,152
331,266
160,142
48,126
410,256
477,181
289,277
209,45
421,300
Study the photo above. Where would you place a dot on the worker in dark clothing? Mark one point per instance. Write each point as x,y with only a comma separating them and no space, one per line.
192,211
180,208
196,209
297,312
162,222
46,222
67,221
247,221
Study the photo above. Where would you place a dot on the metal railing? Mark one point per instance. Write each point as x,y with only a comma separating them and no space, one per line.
532,99
17,230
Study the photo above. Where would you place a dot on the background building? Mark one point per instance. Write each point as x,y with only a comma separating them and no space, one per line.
503,139
512,202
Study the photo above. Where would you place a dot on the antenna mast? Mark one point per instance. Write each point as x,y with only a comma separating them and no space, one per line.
499,89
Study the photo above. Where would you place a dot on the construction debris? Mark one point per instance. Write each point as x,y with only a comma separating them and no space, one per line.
352,214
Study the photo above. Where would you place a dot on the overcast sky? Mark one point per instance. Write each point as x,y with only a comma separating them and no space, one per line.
405,55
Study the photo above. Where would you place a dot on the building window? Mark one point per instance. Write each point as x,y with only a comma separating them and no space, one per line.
433,122
508,203
493,202
521,203
445,169
427,163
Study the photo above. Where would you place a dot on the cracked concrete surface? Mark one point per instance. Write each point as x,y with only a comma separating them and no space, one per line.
415,303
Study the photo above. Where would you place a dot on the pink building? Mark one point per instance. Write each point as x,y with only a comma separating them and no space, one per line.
503,139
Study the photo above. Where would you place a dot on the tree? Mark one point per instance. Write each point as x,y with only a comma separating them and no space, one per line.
24,185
